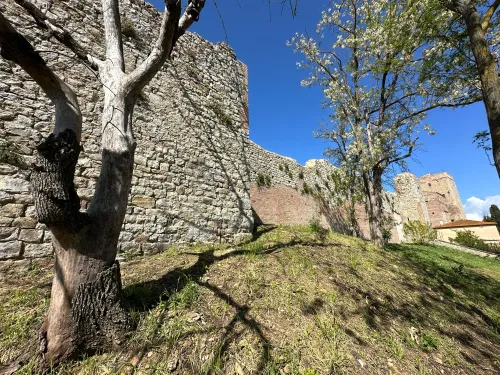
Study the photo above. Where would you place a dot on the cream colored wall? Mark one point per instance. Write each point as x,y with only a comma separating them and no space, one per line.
487,233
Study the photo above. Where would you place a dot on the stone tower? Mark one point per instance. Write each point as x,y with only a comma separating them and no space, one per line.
411,203
441,195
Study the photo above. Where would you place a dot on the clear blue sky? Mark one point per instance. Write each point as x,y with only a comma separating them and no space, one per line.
283,114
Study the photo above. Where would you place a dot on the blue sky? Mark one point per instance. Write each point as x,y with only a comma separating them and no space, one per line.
283,115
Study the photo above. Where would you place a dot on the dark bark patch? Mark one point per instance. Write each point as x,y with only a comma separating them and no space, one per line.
54,193
98,311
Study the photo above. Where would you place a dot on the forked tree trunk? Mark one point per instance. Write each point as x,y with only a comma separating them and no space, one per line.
86,311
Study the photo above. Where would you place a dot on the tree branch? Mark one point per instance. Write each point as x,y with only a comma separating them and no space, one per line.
191,15
485,23
16,48
113,33
173,26
59,32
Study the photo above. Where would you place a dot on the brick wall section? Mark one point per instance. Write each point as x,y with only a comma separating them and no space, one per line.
284,200
191,180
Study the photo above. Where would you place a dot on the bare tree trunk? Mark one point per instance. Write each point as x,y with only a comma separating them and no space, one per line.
373,191
86,310
490,83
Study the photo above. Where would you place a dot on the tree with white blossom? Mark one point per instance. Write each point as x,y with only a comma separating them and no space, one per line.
367,58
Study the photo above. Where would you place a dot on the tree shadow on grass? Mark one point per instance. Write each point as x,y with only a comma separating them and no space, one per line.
459,297
146,295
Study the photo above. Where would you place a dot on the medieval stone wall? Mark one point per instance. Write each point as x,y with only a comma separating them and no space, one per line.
197,176
191,178
285,192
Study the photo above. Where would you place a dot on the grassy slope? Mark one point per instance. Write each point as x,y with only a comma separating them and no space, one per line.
289,303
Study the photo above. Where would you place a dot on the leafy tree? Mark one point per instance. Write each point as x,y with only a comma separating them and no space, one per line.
495,214
86,311
367,58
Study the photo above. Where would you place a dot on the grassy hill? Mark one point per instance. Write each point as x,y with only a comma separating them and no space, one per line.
289,303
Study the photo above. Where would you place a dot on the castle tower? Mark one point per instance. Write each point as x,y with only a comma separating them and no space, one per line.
442,198
411,203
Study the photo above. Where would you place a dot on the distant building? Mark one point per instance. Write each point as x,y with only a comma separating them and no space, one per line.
485,230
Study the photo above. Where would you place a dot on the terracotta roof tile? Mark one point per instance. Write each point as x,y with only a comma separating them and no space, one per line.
464,224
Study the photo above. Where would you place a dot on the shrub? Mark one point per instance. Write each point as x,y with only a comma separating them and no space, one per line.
301,175
316,228
9,154
470,239
128,28
263,180
418,232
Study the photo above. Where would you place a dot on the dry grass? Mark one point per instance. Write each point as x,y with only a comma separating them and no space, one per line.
291,303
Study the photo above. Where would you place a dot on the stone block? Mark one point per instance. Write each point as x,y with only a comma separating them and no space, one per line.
14,185
11,266
12,210
9,250
5,221
6,198
143,201
8,234
31,235
25,222
42,250
240,238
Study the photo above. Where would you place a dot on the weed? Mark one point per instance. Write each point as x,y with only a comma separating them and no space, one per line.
9,154
128,28
316,228
429,342
263,180
185,297
223,117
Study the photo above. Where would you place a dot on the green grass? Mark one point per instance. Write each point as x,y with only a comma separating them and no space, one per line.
290,302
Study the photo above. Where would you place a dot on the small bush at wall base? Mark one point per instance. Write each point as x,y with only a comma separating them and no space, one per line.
417,232
301,175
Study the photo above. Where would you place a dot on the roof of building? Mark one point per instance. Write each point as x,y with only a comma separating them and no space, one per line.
465,223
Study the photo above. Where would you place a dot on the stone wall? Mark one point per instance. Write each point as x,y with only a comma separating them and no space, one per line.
285,192
191,178
197,175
